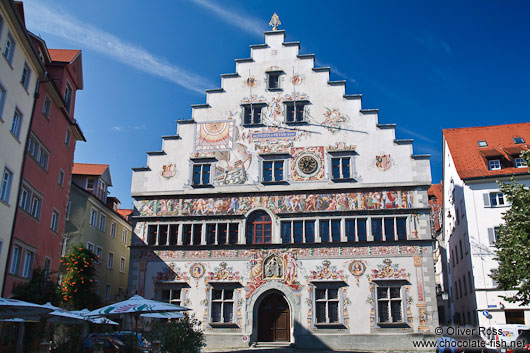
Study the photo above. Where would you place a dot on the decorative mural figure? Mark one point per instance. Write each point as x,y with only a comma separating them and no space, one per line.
223,273
383,162
170,274
340,147
334,120
326,272
278,203
273,267
197,270
297,79
357,269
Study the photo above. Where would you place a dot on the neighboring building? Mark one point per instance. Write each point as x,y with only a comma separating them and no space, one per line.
20,69
43,197
283,211
96,222
475,159
441,270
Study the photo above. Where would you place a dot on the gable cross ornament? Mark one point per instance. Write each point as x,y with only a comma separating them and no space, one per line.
275,22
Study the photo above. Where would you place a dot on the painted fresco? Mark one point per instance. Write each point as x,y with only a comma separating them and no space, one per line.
326,272
334,120
314,155
223,272
172,273
383,162
214,136
391,199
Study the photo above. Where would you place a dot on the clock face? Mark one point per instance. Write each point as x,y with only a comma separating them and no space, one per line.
307,164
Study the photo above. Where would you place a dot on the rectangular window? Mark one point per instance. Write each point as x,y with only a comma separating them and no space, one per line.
272,170
273,80
124,237
26,75
99,253
222,232
110,262
201,174
482,144
197,234
43,157
518,140
90,246
47,267
46,107
28,264
67,137
389,229
210,233
5,187
113,229
68,207
294,112
96,286
102,220
377,229
54,224
497,199
36,204
171,295
16,124
60,181
9,48
401,228
3,94
186,234
15,260
68,96
107,292
341,168
222,305
389,304
520,163
252,114
90,182
327,303
361,229
122,264
494,164
233,233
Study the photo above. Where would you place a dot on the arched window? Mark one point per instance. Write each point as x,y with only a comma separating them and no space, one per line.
259,226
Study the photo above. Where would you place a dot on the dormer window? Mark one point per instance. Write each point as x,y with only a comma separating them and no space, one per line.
252,114
273,80
294,111
68,96
90,184
482,144
494,164
519,162
518,140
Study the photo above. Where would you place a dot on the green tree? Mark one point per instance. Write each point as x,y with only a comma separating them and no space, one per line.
77,284
40,289
513,242
180,336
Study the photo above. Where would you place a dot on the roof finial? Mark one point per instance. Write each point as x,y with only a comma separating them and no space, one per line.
275,22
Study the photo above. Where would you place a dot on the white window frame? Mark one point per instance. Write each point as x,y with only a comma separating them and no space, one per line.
3,94
46,107
520,162
35,206
60,181
202,164
494,164
6,183
387,285
222,301
93,217
16,124
54,223
99,253
340,157
122,264
90,247
94,182
14,267
29,258
113,229
124,236
173,289
102,222
110,260
9,50
256,113
296,109
482,143
26,76
327,286
274,159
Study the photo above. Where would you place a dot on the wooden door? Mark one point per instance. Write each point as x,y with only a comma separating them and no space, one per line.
274,319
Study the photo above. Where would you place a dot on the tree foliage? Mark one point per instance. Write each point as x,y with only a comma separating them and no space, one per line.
77,284
180,336
40,289
513,242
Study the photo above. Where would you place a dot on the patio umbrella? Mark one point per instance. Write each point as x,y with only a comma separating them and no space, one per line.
12,308
136,305
95,319
62,316
166,315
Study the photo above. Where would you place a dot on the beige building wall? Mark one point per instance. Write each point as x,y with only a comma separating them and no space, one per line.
16,95
82,227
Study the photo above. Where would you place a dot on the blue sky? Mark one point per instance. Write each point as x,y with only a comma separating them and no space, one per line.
425,65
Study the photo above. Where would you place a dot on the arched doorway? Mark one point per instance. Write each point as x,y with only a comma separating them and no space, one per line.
259,228
274,319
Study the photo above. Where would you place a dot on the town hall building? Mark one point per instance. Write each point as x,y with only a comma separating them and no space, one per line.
283,211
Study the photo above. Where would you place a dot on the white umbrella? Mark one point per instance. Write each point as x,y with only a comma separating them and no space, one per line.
166,315
95,319
62,316
136,305
12,308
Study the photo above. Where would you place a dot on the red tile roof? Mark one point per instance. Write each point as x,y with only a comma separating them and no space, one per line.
63,55
89,169
471,161
436,193
124,212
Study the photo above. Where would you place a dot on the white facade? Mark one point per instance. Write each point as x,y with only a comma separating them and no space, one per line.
264,234
19,70
469,224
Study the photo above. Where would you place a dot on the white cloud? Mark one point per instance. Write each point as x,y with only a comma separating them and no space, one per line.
116,128
416,134
243,21
44,19
335,70
432,43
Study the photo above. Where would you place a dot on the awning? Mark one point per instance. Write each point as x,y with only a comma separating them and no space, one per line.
490,153
513,150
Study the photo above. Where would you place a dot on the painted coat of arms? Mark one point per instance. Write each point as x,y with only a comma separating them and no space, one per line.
383,162
168,170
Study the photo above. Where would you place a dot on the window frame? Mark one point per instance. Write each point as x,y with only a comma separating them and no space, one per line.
327,286
14,266
38,152
122,264
60,181
68,96
295,111
99,253
29,259
102,222
3,94
518,140
494,164
110,260
388,284
519,162
124,236
54,222
202,163
113,226
93,218
274,73
274,159
26,76
46,107
6,184
233,300
16,124
255,119
8,53
91,247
